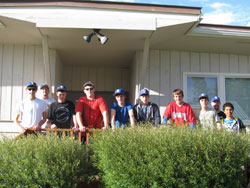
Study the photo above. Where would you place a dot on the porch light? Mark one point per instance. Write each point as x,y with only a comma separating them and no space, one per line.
102,38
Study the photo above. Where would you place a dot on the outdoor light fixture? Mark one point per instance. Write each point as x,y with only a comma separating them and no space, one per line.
102,38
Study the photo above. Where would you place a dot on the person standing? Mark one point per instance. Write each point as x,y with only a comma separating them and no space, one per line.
121,111
44,88
215,103
231,123
208,117
145,111
62,112
33,110
91,111
179,112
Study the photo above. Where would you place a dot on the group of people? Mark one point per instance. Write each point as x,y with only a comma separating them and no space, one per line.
92,111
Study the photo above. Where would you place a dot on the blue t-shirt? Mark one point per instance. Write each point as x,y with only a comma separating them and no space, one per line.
121,116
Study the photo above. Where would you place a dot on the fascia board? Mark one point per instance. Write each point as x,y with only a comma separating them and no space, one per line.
65,17
219,33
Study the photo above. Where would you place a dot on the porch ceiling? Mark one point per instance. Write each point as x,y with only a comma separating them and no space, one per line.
120,49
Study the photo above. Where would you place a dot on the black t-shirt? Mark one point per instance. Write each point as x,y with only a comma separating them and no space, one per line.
61,114
221,115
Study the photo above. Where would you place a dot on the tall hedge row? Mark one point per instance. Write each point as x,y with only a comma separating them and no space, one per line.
34,162
148,157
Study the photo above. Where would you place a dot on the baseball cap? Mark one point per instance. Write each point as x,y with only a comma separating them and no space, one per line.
215,98
119,91
31,84
61,88
144,92
88,83
202,96
44,85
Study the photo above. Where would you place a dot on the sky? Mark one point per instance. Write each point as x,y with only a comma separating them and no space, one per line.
228,12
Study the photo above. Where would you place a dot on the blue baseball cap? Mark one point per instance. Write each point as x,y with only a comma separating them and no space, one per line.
119,91
144,92
61,88
31,84
215,98
203,95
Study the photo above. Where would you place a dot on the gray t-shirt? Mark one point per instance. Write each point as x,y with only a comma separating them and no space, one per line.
208,118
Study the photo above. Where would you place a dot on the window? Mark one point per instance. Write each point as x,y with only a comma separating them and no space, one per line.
234,88
198,85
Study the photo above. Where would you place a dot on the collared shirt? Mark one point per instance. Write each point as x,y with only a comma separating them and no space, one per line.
92,111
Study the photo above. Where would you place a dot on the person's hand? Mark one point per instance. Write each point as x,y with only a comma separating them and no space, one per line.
105,128
23,130
82,128
35,128
53,126
75,129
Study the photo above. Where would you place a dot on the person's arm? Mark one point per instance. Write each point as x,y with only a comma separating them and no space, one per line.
79,121
157,116
37,127
217,121
131,118
105,116
18,123
112,118
191,118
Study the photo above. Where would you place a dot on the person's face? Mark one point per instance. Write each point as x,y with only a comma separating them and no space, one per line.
228,111
120,98
178,98
61,95
203,102
144,99
216,105
45,92
89,91
31,91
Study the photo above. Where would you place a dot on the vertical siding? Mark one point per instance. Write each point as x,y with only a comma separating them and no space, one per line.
167,67
7,65
104,78
19,64
17,75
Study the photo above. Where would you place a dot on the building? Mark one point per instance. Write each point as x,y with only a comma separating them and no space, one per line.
154,46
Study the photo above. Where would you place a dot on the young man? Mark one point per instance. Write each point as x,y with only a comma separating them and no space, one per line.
121,111
215,103
91,110
33,110
44,88
179,112
230,123
208,117
62,112
146,111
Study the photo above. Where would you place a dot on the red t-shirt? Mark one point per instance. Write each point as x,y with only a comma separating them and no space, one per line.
180,115
92,111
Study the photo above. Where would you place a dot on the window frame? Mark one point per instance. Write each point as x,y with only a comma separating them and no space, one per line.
221,80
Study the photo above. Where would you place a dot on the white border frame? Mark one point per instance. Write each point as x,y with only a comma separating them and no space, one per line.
220,81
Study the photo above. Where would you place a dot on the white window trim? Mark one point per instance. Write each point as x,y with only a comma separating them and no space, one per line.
220,83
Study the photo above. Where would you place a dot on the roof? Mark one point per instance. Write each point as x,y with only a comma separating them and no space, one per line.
106,5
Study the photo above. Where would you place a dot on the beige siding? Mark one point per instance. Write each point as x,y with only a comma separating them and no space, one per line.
104,78
19,64
166,70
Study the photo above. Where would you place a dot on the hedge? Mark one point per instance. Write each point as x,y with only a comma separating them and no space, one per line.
41,162
170,157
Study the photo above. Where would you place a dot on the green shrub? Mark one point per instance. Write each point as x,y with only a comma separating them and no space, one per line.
170,157
34,162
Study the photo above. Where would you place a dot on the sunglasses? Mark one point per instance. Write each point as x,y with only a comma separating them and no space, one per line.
32,89
87,89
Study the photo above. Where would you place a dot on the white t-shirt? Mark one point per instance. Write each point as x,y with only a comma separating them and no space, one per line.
32,111
49,101
208,118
